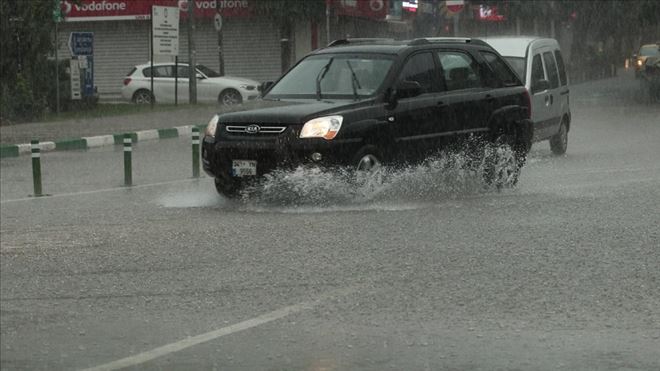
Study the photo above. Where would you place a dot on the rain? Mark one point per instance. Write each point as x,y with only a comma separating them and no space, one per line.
330,184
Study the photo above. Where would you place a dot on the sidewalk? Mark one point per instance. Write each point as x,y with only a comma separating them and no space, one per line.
72,129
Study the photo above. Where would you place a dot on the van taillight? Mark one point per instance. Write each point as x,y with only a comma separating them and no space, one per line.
127,81
528,101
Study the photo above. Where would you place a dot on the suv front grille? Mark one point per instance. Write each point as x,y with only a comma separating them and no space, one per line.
255,129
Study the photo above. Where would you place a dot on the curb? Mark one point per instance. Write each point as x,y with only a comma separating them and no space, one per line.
84,143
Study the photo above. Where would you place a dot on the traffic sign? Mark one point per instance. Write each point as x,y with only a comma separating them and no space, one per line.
81,43
165,30
218,22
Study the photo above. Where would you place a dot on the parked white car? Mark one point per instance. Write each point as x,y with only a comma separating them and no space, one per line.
540,65
211,87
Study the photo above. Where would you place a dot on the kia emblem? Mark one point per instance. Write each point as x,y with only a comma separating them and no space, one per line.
252,129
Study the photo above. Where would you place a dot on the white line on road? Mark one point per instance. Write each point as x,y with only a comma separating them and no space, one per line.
98,191
202,338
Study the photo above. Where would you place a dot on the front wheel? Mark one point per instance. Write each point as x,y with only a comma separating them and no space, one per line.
559,142
230,97
227,188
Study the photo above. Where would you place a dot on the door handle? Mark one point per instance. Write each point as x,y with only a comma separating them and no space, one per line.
489,98
441,104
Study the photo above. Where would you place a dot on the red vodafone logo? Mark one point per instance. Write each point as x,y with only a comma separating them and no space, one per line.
183,5
376,5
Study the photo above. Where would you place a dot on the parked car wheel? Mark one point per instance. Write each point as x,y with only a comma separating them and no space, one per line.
559,142
230,97
143,96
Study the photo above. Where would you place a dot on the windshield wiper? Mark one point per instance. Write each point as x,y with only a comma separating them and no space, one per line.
355,84
320,77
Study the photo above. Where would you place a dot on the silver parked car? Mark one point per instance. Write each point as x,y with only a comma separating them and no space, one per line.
211,87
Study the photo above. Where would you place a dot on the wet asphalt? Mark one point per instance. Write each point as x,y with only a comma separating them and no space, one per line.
560,273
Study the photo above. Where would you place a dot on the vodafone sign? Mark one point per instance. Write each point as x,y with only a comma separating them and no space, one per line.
375,9
102,10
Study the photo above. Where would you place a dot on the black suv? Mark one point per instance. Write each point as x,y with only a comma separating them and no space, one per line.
360,102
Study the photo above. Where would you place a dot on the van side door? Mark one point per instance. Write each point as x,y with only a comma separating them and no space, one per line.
564,92
554,92
542,114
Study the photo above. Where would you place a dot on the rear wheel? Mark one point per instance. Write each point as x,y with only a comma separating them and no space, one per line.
507,153
559,142
143,96
230,97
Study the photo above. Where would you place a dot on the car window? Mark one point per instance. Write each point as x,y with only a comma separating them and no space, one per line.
421,68
562,68
459,70
551,69
537,70
501,70
159,71
518,65
337,76
183,72
207,71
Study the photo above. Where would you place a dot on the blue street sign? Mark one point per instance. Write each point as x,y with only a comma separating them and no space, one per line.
81,43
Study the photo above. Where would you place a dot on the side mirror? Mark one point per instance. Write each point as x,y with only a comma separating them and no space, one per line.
540,85
407,89
264,86
634,56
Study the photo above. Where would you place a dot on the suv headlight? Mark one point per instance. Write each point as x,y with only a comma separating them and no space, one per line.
247,87
212,126
322,127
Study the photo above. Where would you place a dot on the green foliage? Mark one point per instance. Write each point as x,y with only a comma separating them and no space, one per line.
26,35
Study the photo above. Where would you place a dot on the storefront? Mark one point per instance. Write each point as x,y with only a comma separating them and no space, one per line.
251,44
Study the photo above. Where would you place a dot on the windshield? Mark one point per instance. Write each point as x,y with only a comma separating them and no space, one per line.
207,71
335,75
518,65
649,50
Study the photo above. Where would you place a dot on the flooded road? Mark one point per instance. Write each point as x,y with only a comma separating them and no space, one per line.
421,269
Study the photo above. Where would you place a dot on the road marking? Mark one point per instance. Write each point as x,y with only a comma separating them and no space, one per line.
98,191
212,335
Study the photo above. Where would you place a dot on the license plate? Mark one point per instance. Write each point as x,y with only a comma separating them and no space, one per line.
241,168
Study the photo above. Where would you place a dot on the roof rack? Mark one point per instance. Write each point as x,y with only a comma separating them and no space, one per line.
431,40
359,41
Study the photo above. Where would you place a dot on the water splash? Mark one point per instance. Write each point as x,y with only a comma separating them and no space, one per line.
448,174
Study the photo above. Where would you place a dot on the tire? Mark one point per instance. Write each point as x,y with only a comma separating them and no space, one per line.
230,97
507,153
227,188
502,168
559,142
367,159
143,96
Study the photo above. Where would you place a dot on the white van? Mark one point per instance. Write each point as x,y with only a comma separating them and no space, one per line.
539,63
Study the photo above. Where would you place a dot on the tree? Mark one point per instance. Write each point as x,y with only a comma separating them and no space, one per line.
286,13
26,34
